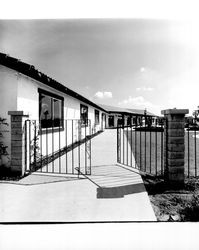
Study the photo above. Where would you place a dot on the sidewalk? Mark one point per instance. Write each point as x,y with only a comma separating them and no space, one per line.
43,198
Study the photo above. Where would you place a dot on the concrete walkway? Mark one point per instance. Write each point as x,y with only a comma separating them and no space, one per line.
43,198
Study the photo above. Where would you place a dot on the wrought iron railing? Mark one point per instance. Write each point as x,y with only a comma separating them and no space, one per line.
58,149
141,146
191,147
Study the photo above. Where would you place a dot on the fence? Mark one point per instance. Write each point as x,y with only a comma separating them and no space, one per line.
191,147
61,149
141,146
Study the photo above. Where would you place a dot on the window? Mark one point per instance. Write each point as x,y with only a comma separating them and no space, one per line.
111,121
84,115
96,117
134,120
50,110
128,120
120,121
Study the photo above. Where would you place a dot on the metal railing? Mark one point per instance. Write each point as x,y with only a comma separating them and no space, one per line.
58,149
191,147
141,146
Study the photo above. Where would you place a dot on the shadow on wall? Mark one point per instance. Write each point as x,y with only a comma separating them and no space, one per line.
119,191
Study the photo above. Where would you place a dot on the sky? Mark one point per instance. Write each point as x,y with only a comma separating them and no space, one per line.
130,63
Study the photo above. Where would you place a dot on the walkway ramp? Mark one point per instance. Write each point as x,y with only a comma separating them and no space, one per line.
117,181
114,181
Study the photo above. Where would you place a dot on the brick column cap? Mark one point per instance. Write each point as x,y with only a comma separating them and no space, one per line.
17,113
174,111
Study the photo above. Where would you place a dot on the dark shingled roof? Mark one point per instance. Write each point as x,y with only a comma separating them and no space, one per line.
141,112
112,109
30,71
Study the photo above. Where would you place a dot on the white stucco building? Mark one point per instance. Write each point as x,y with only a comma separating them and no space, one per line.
45,117
49,103
126,117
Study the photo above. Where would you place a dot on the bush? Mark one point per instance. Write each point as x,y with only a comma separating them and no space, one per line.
190,212
3,148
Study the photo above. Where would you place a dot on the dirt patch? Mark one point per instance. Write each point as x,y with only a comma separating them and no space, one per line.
180,204
7,175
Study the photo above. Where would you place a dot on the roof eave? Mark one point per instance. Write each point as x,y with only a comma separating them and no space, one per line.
30,71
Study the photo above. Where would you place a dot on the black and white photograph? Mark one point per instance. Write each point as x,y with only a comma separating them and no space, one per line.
99,121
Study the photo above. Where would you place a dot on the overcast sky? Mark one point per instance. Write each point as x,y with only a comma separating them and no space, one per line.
133,63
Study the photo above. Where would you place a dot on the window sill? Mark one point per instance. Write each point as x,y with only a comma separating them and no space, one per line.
50,130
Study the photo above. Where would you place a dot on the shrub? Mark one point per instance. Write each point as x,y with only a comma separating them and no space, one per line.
3,148
190,212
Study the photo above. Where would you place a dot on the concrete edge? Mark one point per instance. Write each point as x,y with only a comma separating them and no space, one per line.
59,175
129,168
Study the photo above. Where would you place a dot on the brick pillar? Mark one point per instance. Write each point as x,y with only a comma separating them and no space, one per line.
17,142
174,146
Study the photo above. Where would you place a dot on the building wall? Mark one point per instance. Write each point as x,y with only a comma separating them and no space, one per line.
20,93
8,100
28,101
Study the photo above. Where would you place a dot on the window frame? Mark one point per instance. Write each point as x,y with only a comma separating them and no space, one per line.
52,96
84,122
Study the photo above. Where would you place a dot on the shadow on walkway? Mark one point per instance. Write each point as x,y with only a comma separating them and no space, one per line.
36,179
114,181
120,191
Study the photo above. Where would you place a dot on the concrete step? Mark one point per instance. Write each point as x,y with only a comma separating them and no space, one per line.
114,181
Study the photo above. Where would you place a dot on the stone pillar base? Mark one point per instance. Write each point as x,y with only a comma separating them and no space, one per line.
17,142
174,147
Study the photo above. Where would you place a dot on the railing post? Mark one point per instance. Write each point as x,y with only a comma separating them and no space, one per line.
17,142
174,146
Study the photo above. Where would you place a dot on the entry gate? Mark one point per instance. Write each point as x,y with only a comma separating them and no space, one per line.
63,149
140,146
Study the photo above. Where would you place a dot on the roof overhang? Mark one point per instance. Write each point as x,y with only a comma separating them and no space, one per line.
30,71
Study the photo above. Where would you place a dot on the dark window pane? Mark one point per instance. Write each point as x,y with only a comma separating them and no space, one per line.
96,117
46,111
111,121
57,112
50,110
84,115
128,120
120,121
